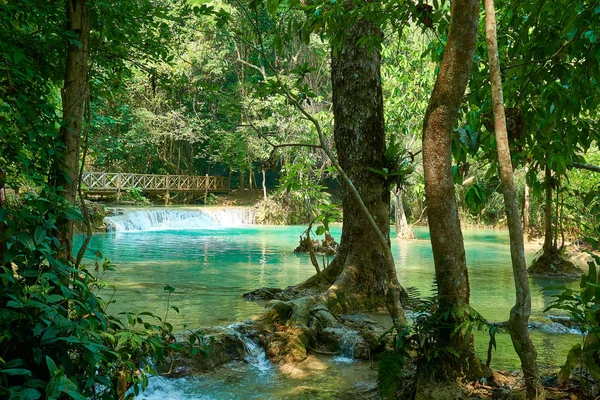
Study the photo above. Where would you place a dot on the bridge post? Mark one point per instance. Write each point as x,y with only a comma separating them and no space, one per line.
168,194
206,184
118,188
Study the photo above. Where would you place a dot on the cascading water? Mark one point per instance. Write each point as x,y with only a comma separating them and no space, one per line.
349,340
138,220
255,355
258,371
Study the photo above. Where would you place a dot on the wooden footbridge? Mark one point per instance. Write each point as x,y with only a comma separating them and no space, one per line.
106,183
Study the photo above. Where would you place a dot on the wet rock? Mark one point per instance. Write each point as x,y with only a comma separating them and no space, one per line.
226,345
262,294
553,328
302,369
113,212
288,345
344,342
321,318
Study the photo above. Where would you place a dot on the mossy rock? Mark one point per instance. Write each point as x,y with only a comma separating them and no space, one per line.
225,346
96,214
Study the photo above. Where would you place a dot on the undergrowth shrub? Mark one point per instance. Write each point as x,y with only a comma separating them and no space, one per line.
56,338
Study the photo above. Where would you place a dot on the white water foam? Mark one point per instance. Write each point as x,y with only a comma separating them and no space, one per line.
155,219
255,355
160,388
349,341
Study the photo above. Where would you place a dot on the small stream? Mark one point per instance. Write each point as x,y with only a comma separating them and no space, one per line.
213,255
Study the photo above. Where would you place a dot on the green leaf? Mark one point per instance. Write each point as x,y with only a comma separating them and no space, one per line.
572,358
51,366
320,230
54,298
26,240
73,214
16,371
40,235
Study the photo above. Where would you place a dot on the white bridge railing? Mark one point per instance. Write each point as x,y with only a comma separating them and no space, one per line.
105,182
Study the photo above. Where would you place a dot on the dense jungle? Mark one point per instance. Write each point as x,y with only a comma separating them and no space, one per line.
299,199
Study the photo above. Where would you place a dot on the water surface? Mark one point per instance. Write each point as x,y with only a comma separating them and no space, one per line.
210,268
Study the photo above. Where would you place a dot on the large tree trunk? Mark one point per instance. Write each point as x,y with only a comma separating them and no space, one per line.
403,230
444,224
519,314
74,94
366,271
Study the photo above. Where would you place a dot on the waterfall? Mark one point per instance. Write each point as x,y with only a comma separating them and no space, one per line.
349,340
136,220
255,355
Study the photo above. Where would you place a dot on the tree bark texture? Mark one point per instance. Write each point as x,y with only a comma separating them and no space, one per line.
548,236
526,206
444,224
74,94
360,143
403,230
519,314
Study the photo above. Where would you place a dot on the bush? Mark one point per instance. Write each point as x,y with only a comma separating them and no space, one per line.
57,338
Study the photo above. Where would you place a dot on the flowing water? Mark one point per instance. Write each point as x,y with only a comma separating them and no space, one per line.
212,256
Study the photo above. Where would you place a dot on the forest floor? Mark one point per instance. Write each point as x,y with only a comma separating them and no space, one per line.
240,197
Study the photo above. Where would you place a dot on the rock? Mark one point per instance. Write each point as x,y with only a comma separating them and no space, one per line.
262,294
288,346
553,328
302,369
321,318
226,345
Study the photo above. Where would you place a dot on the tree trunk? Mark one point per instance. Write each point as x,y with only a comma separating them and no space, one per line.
242,183
2,223
519,314
444,224
365,269
74,94
403,230
526,206
264,185
548,248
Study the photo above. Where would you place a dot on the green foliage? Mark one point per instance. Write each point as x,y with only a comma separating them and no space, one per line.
420,343
583,306
135,195
56,334
398,164
476,198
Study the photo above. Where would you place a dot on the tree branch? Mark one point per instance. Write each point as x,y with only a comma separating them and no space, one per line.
589,167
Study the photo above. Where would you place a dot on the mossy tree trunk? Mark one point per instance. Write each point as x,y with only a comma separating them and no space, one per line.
363,269
444,224
519,315
74,94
